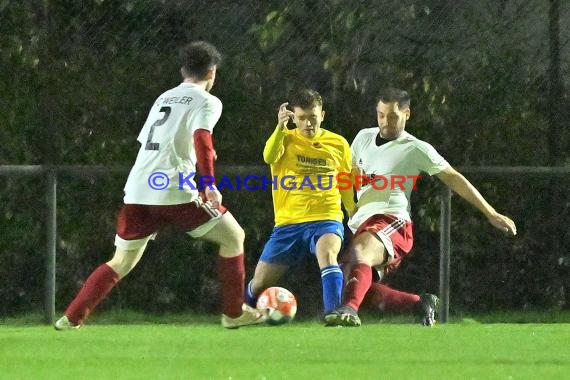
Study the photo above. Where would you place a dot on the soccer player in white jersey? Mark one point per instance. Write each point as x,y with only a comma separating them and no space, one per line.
381,225
176,139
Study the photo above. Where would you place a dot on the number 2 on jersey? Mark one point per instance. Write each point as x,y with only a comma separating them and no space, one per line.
154,145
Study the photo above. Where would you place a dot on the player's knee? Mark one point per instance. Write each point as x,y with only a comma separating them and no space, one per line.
359,255
234,240
120,267
124,261
327,257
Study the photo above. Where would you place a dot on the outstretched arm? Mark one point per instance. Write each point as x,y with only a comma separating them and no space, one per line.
459,184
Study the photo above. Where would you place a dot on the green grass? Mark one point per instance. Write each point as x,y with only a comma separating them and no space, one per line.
302,350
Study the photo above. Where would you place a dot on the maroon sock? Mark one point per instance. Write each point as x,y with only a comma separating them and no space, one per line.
231,273
357,285
385,298
95,288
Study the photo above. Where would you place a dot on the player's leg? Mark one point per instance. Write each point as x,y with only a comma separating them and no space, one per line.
282,250
382,297
374,245
327,248
266,275
397,234
381,242
228,234
364,252
134,230
278,255
386,299
98,285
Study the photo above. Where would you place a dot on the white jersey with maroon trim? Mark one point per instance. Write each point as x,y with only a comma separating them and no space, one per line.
388,164
167,151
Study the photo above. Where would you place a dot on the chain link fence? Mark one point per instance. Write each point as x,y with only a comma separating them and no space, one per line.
488,81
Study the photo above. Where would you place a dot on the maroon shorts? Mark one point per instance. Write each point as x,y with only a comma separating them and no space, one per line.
140,221
396,235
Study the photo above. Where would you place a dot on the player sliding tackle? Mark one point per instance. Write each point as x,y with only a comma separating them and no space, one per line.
308,222
382,226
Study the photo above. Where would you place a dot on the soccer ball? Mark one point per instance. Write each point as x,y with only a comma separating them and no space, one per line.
278,305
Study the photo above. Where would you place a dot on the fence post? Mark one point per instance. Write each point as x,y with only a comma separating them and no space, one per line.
444,253
51,246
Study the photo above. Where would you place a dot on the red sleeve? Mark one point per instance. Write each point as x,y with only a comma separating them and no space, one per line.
205,153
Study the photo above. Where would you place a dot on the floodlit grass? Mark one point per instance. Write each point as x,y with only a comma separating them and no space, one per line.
302,350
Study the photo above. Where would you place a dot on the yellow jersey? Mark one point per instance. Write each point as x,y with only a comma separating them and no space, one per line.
304,171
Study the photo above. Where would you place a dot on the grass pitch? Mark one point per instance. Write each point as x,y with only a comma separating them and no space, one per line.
301,350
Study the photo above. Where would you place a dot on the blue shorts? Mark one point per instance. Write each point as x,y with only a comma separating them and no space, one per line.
289,244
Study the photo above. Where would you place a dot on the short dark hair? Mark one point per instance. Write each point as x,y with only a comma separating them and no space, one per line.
198,57
395,95
306,98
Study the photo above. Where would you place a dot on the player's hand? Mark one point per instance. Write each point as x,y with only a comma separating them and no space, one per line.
503,223
213,196
284,115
